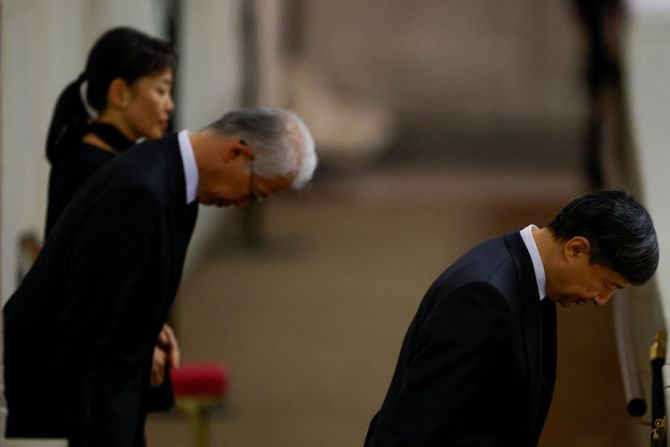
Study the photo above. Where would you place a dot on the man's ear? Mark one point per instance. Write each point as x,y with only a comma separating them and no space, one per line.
118,94
238,148
577,246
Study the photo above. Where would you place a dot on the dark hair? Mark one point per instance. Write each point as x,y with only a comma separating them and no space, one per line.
119,53
619,229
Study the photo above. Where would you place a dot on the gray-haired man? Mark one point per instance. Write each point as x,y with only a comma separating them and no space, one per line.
80,330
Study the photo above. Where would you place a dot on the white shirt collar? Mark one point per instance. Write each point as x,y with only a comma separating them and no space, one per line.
540,277
190,168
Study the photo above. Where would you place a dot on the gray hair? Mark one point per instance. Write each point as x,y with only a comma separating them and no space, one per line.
281,142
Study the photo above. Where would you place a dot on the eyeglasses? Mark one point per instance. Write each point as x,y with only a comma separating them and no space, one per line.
252,195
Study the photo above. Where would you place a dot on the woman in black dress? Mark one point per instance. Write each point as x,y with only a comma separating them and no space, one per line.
123,95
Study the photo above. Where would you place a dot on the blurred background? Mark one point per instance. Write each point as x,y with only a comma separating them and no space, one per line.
439,123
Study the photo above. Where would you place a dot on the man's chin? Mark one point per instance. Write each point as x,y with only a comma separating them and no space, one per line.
554,300
564,301
568,300
209,201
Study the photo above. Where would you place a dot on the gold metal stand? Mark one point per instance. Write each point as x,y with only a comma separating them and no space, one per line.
657,358
196,410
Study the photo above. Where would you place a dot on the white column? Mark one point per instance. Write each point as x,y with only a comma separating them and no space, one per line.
210,77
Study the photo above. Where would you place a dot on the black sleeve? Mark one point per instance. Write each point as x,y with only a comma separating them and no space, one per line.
107,259
460,340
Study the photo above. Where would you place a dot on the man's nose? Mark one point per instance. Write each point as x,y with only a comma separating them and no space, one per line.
603,298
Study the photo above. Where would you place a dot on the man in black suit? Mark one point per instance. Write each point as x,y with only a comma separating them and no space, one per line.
80,329
478,364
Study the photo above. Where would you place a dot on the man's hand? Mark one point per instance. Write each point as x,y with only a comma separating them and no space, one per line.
166,351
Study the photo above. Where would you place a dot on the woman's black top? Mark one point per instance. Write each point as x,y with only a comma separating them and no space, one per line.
70,172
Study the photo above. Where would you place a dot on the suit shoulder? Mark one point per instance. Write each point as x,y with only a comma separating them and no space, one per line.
147,165
487,263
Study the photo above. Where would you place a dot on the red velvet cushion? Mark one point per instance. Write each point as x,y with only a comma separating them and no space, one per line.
192,380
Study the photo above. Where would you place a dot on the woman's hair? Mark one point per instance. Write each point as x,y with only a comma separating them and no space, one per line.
119,53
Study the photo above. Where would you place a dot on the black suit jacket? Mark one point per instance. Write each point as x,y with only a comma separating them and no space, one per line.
477,366
68,174
80,329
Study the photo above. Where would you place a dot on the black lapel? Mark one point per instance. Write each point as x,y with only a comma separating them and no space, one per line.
181,217
530,317
549,352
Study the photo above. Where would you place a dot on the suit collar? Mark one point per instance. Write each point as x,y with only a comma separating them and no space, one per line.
191,174
530,318
176,181
538,267
523,265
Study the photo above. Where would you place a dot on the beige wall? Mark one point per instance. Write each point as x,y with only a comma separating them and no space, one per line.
472,59
452,65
